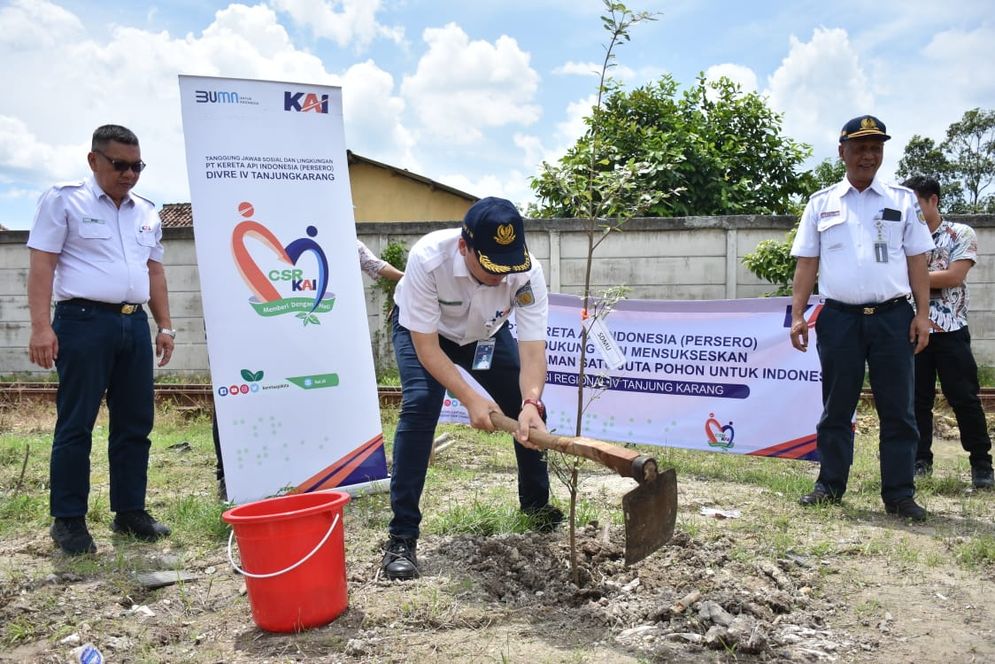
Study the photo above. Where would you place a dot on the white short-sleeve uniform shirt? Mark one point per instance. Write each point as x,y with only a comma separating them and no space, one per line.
103,250
438,294
841,226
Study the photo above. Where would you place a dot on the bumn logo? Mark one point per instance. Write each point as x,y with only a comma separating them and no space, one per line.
300,101
216,97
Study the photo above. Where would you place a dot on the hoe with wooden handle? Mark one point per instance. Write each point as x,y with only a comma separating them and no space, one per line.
650,509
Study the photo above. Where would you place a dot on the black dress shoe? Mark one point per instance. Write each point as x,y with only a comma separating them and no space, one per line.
139,524
819,496
906,508
71,535
982,478
399,559
545,519
923,469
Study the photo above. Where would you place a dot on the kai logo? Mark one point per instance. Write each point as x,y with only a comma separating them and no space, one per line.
296,279
274,291
717,435
303,102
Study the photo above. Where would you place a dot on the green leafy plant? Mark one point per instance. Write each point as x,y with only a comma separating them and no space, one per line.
396,254
773,262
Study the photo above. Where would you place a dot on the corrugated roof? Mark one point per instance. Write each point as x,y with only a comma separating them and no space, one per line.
176,215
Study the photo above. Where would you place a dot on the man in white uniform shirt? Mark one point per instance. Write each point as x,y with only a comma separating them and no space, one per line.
97,248
867,241
458,289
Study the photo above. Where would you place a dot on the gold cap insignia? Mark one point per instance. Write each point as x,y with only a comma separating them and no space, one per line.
505,234
868,123
494,268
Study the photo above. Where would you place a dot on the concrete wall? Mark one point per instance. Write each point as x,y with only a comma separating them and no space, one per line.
681,259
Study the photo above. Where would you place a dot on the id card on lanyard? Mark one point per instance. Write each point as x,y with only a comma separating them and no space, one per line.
483,355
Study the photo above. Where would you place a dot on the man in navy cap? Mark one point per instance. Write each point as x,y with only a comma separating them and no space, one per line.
867,241
458,289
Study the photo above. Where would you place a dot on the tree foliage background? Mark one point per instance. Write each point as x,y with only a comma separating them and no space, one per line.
963,162
714,148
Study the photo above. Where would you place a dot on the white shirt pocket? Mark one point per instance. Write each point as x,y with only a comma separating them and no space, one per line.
146,238
94,229
832,232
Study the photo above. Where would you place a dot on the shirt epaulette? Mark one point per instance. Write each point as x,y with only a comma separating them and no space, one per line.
895,185
140,197
66,185
823,190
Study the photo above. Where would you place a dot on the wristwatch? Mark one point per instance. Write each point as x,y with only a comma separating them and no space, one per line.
168,332
540,406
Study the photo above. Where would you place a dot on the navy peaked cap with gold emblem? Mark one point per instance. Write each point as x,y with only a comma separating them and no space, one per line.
495,230
864,126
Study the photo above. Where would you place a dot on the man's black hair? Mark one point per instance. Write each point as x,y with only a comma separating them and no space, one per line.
924,186
107,133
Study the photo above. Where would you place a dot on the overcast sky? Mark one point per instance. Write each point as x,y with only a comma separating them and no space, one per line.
472,93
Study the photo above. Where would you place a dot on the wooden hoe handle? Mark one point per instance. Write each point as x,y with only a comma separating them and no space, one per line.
625,462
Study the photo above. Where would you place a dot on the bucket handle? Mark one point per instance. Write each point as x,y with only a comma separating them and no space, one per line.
300,562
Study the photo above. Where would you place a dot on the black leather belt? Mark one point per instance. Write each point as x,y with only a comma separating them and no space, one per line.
867,309
125,308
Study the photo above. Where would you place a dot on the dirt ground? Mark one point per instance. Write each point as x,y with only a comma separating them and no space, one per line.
868,588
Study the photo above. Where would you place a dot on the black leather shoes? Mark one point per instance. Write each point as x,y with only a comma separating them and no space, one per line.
399,560
140,525
545,519
982,478
71,535
819,496
923,469
906,508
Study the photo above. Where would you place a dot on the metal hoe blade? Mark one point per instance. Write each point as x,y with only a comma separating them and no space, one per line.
650,515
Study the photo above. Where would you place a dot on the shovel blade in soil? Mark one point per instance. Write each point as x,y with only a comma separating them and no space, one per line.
650,515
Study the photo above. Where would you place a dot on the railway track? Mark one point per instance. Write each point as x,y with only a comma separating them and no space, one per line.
192,395
199,395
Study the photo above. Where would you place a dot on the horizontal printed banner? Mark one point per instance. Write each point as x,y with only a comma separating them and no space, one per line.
710,375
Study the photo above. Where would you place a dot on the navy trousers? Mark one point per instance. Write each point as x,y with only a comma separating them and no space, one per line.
101,351
421,404
949,357
846,341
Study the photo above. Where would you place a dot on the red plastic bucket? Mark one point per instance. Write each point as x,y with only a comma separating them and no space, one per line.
293,559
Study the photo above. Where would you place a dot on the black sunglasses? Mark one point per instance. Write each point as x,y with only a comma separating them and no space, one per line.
121,166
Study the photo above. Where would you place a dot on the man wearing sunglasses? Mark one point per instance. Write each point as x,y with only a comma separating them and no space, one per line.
459,287
96,247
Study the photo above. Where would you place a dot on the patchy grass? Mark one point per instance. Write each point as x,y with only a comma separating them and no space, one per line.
470,491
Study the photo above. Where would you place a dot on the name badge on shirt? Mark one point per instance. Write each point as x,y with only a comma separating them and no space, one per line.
92,220
483,355
889,214
881,252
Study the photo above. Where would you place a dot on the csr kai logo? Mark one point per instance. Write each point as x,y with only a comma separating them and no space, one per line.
279,285
304,102
718,435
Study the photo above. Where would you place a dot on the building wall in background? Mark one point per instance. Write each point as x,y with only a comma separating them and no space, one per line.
679,259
